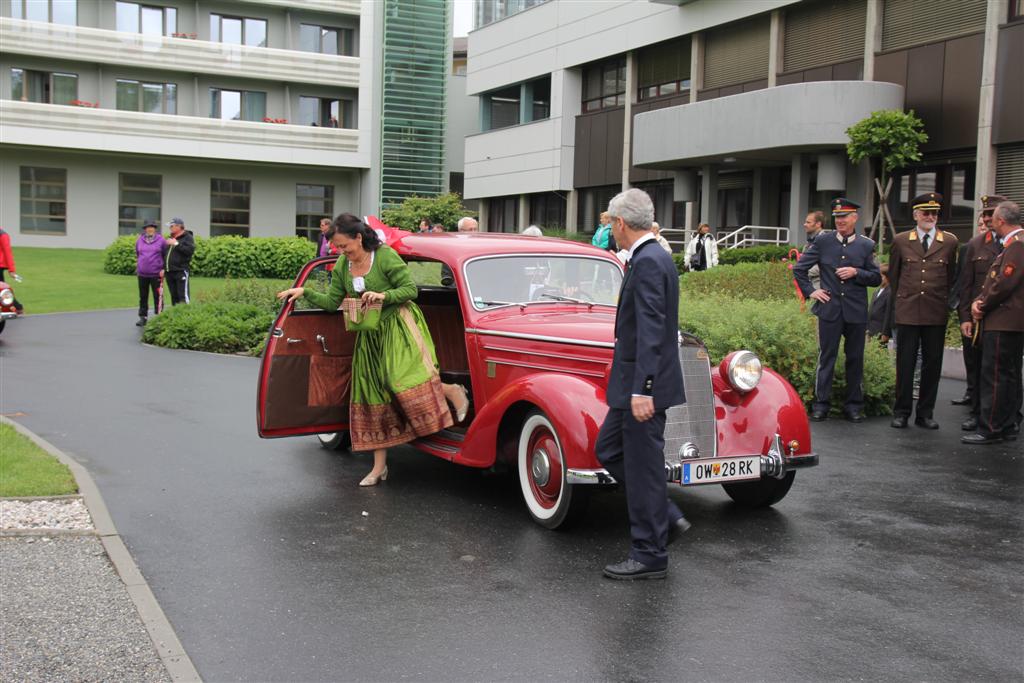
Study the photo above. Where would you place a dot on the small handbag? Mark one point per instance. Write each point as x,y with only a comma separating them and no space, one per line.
360,316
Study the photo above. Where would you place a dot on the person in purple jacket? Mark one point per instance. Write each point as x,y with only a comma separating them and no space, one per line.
150,249
323,245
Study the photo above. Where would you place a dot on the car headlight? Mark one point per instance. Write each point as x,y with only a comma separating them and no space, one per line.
742,369
6,297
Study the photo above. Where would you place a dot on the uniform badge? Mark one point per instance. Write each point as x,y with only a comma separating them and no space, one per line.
1008,270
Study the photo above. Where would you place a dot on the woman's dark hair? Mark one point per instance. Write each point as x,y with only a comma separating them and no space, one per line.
352,226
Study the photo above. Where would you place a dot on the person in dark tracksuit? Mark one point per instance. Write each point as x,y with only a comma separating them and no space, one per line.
847,267
645,380
922,270
180,247
999,311
976,258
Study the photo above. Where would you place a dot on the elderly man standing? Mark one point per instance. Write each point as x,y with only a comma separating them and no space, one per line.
922,269
645,380
847,267
467,224
999,311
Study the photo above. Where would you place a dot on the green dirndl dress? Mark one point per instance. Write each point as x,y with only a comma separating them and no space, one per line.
396,393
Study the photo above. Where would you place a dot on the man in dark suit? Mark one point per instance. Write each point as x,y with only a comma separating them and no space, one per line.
846,264
999,311
645,380
975,259
922,269
879,304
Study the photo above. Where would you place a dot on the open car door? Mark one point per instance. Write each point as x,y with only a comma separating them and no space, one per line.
306,370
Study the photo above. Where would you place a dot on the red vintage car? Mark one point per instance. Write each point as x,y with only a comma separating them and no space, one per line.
527,324
7,309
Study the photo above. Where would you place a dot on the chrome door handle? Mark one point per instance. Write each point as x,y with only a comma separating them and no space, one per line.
323,342
293,341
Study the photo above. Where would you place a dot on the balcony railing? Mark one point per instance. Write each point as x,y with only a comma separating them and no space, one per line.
54,41
332,6
109,130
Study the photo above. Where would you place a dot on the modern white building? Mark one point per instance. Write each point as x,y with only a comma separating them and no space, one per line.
734,112
252,117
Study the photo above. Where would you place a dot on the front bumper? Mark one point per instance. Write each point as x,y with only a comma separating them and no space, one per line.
774,464
7,315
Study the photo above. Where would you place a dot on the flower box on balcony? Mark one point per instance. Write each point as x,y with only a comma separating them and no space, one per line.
84,103
189,36
267,119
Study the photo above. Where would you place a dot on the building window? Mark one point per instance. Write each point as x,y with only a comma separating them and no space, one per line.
663,70
229,207
488,11
238,30
547,210
138,202
503,214
152,98
326,112
150,20
237,105
327,40
312,202
43,86
592,202
501,108
540,94
955,182
604,85
51,11
1016,10
44,194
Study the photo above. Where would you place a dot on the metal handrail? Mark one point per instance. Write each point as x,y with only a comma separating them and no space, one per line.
749,236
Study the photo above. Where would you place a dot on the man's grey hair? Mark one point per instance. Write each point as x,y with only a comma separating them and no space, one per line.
1009,212
634,207
462,221
533,231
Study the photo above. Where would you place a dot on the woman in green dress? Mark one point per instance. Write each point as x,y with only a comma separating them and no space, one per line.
396,393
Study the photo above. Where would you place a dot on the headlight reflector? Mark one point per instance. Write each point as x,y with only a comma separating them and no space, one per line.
6,297
743,370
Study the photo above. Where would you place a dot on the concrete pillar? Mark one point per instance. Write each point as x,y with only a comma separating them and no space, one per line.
799,185
524,212
684,186
482,214
831,172
627,128
709,196
775,48
590,212
571,211
985,179
860,187
696,65
872,37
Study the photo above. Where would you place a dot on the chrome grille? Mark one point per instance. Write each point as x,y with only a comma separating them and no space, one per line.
694,421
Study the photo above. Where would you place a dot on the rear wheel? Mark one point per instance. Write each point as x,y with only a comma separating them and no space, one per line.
550,500
756,494
334,441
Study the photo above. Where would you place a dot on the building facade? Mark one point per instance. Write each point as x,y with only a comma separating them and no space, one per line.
734,113
250,118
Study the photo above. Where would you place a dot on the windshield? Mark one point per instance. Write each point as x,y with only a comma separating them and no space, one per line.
508,280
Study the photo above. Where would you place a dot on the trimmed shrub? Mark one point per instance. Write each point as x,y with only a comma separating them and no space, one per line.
219,327
445,209
768,252
119,256
756,281
786,340
230,256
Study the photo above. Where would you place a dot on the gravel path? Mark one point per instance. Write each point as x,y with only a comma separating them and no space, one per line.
66,616
63,513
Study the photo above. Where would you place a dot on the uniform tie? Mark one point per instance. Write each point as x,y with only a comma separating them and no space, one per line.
846,239
924,241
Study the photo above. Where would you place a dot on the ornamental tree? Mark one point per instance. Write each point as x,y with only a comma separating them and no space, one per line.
445,209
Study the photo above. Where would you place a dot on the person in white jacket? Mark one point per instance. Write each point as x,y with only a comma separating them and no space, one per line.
702,251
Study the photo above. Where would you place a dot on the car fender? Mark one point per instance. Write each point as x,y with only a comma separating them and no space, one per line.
747,423
575,406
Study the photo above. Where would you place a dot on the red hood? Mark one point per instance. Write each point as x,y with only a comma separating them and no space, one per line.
560,321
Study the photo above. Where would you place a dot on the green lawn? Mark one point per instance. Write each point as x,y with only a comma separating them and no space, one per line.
28,470
58,280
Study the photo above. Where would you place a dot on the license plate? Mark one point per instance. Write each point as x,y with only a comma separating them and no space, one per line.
716,470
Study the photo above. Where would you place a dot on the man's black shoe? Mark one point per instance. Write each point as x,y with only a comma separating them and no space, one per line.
856,417
965,401
926,423
630,570
970,424
677,528
141,322
898,422
981,439
818,415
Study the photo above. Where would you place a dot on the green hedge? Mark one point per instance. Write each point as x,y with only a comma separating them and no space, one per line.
219,327
761,254
768,281
786,340
241,257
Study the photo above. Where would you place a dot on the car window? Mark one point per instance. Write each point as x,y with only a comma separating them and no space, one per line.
525,279
319,281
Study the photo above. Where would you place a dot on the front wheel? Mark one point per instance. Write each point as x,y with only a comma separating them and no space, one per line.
334,441
758,494
550,500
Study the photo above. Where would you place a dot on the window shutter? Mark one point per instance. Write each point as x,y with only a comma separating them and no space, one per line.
1010,171
821,33
737,53
914,22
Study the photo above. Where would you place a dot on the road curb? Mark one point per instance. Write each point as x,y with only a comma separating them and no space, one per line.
165,640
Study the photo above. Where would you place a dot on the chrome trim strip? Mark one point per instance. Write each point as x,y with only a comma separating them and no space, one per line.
550,368
598,476
7,315
546,354
541,337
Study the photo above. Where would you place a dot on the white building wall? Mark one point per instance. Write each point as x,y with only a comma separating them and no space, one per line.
463,120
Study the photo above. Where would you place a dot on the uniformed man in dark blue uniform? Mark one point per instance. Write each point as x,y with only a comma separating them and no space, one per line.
846,262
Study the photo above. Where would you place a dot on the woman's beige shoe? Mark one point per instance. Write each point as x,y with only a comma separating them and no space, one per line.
463,408
370,480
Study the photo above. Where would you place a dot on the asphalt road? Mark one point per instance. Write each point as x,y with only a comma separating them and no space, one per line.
898,558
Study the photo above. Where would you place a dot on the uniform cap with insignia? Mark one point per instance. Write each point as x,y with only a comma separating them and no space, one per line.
989,202
842,206
929,201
